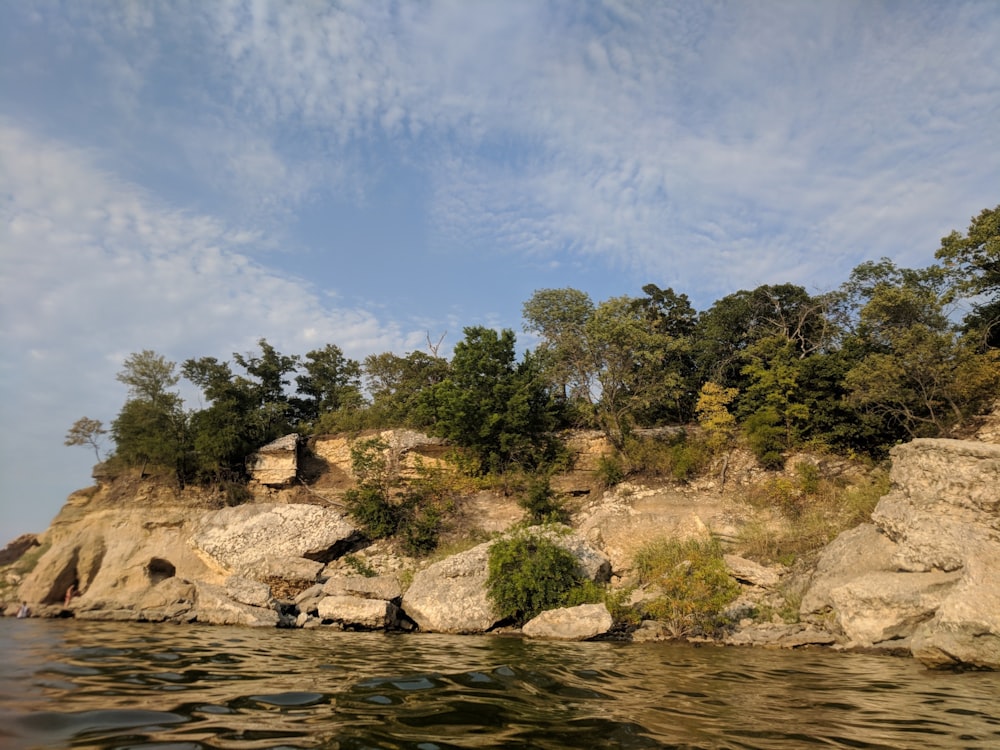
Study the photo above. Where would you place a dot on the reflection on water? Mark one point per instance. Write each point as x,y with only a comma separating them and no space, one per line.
110,685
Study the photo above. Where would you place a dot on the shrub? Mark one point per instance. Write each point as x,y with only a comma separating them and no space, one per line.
540,502
374,511
694,581
610,471
766,438
529,574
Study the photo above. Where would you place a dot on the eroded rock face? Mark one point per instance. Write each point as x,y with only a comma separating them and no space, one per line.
927,571
241,540
277,463
570,623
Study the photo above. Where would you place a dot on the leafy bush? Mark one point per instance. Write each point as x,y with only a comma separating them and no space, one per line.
540,502
610,471
529,574
694,581
766,438
374,511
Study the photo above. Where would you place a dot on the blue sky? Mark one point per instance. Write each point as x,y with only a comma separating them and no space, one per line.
191,176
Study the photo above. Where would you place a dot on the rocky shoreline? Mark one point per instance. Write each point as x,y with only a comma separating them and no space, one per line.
923,578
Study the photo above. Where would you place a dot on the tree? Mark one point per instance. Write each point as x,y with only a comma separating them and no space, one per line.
714,416
627,355
560,318
402,388
148,376
86,431
672,318
911,367
973,262
331,382
244,412
493,406
152,426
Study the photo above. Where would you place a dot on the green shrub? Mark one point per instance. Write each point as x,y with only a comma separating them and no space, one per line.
766,438
374,511
610,471
529,574
539,500
359,566
694,581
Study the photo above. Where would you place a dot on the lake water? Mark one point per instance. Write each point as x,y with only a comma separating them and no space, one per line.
67,683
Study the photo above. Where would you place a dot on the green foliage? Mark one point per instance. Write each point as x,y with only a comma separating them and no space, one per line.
610,470
539,500
528,574
359,566
766,438
384,505
86,431
973,263
331,383
402,388
499,410
694,581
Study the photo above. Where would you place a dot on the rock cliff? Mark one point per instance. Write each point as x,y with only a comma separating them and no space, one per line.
924,576
921,578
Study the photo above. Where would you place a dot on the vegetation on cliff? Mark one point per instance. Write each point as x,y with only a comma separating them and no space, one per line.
880,359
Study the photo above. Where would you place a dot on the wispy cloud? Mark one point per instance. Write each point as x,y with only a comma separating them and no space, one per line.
179,175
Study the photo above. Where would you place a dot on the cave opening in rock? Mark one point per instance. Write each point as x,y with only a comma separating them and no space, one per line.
159,569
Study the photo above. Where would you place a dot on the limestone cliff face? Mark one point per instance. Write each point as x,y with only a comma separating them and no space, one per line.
925,575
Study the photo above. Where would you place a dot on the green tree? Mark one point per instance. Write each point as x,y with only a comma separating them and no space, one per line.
244,412
672,318
149,376
86,431
151,427
402,388
973,261
560,317
914,371
331,383
628,355
498,409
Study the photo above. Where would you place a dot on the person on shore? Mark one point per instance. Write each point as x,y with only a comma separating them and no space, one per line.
23,611
69,594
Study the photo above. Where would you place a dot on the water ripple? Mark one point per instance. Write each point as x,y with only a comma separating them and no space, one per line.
187,688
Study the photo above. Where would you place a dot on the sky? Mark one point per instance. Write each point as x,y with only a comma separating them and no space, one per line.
189,176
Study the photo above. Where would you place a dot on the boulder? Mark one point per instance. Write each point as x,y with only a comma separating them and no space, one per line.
216,607
752,573
965,629
374,587
450,596
886,606
853,554
570,623
277,463
356,612
241,540
247,591
927,571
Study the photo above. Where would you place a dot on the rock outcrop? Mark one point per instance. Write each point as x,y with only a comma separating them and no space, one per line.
925,575
450,595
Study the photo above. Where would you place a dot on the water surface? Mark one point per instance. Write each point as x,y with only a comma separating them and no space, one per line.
77,684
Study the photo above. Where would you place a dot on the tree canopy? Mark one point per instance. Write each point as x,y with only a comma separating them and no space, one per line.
884,357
